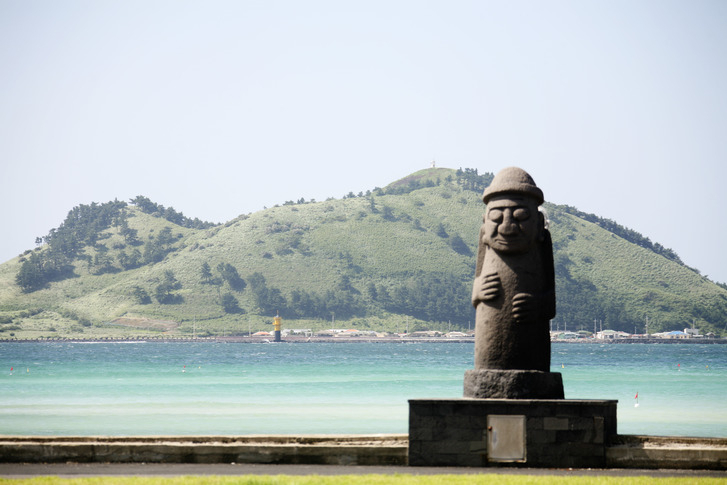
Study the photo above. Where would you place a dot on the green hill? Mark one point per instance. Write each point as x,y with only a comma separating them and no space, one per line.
399,255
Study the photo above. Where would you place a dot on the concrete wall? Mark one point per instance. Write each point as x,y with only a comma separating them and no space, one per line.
628,451
320,450
623,452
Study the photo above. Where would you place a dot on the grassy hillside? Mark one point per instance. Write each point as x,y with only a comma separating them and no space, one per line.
402,254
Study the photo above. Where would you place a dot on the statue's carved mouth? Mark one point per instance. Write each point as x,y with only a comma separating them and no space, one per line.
510,241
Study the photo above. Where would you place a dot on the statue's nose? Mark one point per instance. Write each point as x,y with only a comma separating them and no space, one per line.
508,226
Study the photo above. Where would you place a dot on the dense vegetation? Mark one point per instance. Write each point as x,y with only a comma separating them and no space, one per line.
405,251
84,227
168,213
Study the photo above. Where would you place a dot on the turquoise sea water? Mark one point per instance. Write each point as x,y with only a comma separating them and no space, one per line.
206,388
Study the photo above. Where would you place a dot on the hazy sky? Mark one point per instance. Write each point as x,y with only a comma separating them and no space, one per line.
219,108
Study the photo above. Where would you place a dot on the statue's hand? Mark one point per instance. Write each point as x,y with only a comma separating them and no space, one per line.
523,307
489,287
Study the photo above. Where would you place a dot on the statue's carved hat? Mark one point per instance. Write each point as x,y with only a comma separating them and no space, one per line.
513,180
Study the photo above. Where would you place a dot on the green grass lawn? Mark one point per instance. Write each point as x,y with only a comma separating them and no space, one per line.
397,479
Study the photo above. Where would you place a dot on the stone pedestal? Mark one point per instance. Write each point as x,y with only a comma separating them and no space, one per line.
512,384
510,432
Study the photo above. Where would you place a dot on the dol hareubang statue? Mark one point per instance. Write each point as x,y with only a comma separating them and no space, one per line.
514,288
514,295
513,410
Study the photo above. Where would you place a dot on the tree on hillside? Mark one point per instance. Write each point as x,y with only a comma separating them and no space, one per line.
41,268
164,290
372,205
153,252
383,297
166,237
156,248
31,276
230,275
388,214
130,260
470,179
130,235
145,204
102,261
269,300
140,295
206,273
230,303
371,291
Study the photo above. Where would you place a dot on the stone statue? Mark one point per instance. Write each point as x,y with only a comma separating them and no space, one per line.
514,295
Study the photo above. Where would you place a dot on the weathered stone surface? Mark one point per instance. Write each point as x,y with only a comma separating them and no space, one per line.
513,292
512,384
558,432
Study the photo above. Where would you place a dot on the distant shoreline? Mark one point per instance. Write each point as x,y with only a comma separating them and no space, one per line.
296,339
645,341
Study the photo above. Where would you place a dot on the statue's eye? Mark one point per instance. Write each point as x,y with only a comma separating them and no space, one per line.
521,214
495,215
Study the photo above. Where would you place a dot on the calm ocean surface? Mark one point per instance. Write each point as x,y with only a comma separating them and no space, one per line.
303,388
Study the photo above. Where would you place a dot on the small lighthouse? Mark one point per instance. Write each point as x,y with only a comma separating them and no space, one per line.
277,322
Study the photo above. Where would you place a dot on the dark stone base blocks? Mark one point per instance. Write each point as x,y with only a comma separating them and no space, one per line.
512,384
510,432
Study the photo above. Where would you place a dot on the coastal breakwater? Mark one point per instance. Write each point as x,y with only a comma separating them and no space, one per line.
625,451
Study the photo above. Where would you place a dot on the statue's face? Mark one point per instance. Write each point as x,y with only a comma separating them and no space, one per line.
511,224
